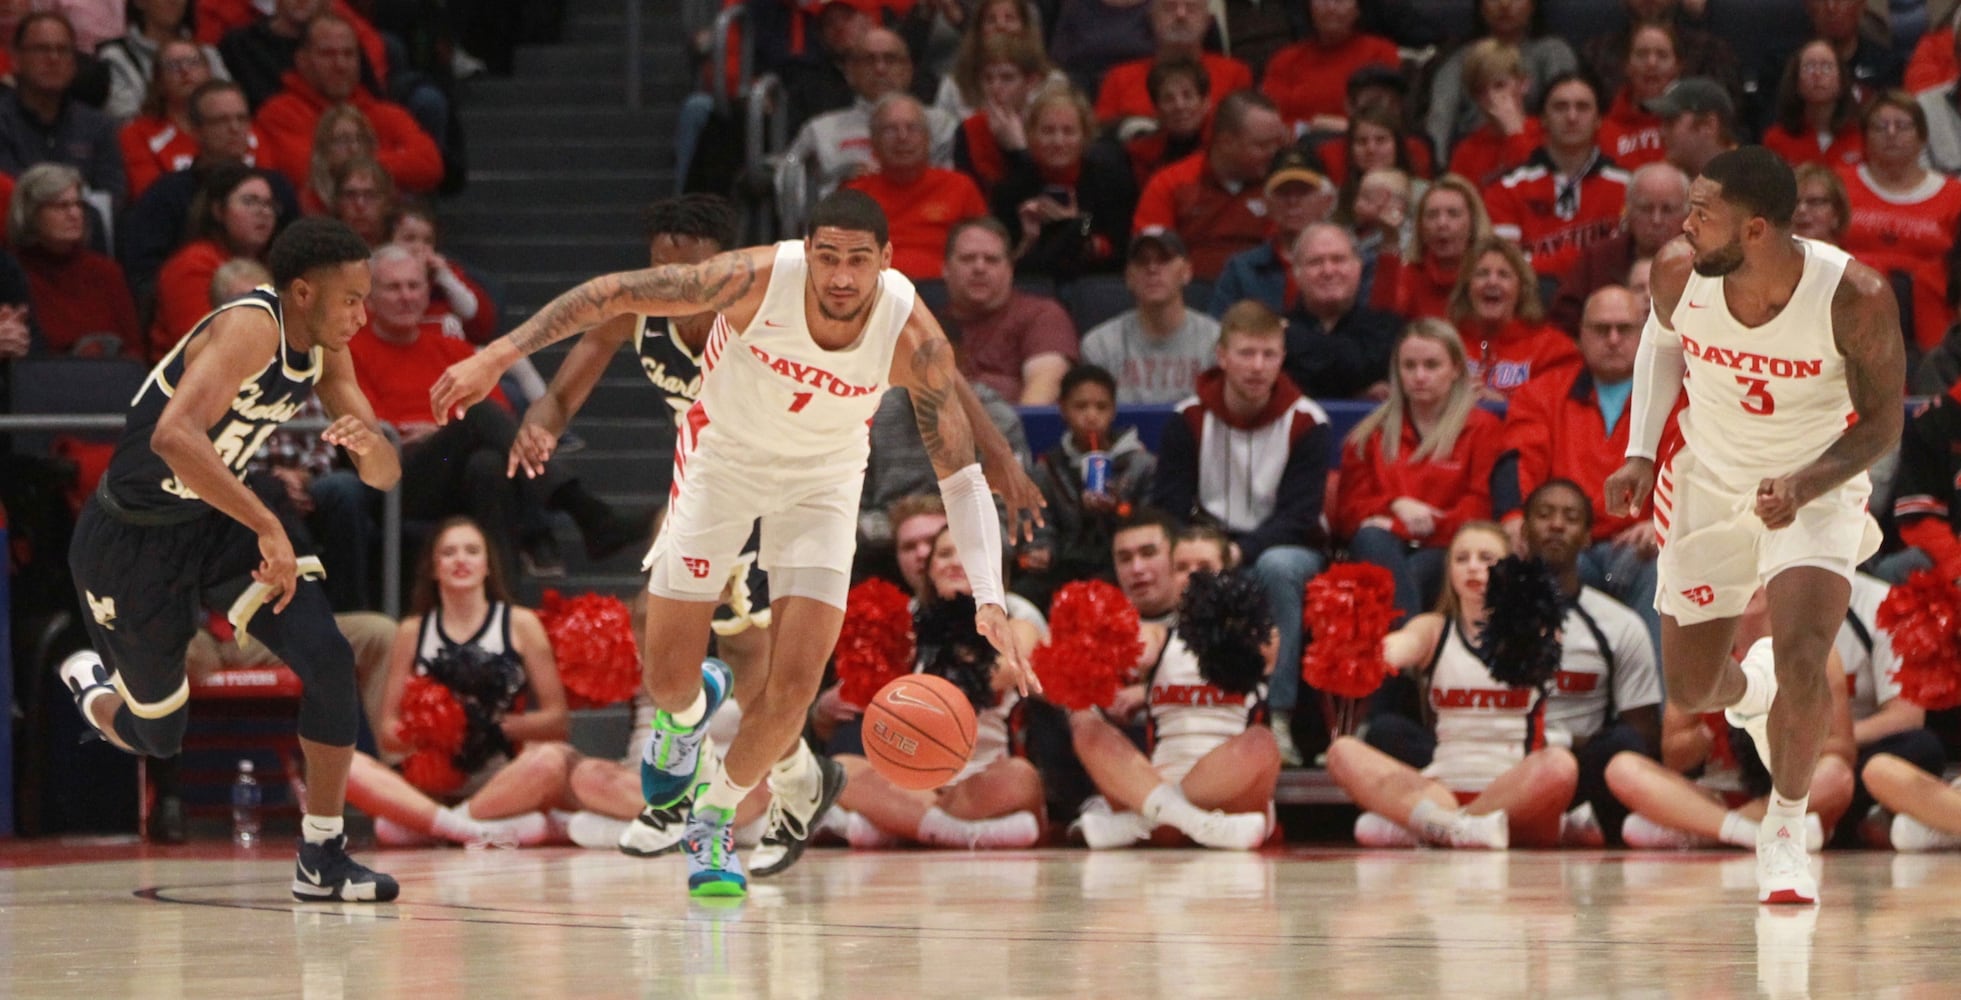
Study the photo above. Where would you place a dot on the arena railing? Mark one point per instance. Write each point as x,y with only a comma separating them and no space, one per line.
391,502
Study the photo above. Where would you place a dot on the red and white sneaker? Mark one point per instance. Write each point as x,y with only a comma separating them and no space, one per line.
1784,866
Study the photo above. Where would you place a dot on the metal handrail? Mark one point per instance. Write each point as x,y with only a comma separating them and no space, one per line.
767,97
718,54
391,501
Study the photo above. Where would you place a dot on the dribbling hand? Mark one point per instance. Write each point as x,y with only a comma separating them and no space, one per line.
461,386
278,567
1628,488
351,433
1011,668
530,450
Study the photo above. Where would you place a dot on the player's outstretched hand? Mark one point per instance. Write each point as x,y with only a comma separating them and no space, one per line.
278,567
1019,494
1777,502
463,385
530,450
1628,488
1011,667
352,433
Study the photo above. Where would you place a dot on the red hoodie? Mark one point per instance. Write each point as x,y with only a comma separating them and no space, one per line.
286,123
1459,484
1516,353
1262,478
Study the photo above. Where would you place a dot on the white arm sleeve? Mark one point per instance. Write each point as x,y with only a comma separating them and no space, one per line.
1658,369
976,528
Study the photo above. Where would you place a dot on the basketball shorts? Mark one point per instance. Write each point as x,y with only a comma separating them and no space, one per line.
809,520
1715,551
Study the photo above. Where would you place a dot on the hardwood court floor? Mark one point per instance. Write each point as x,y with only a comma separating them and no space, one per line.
1185,924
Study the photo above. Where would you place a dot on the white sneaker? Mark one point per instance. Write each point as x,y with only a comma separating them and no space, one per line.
595,831
1580,828
1642,833
1909,834
1377,830
1755,719
654,832
1106,830
1491,831
1230,831
1784,868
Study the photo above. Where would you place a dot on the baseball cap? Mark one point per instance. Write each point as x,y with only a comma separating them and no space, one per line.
1377,75
1166,239
1692,95
1292,164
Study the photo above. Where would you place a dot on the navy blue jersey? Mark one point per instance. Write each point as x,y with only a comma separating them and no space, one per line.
670,366
141,480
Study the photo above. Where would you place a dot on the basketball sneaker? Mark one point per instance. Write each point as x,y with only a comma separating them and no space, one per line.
669,766
1909,834
1755,718
713,867
1784,866
794,817
655,831
87,679
324,873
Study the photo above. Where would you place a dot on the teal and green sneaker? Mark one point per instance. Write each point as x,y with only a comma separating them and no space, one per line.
673,758
714,869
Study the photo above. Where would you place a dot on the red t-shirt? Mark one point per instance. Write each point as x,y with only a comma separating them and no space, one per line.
1214,220
1126,93
184,292
1630,136
396,377
1932,63
993,348
1412,289
1486,154
79,294
921,214
1526,209
1516,353
1847,149
1555,426
1307,78
1459,484
1912,233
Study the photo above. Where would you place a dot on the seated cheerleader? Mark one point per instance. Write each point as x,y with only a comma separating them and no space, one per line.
1492,782
505,793
996,801
1927,810
1703,792
1213,766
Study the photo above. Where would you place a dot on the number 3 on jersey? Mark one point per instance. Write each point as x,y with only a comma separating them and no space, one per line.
1756,396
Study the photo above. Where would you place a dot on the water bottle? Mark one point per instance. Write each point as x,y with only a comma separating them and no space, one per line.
246,797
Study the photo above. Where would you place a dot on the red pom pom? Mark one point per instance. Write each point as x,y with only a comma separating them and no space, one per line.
1093,643
1349,609
1923,615
592,639
875,645
432,718
432,771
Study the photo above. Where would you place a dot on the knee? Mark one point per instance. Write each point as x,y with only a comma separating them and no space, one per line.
591,777
1831,781
1291,565
548,759
1259,750
1343,756
1624,769
1558,768
159,737
1085,730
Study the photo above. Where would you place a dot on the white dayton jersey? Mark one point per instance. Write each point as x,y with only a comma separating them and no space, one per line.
1764,401
1483,727
773,390
1189,716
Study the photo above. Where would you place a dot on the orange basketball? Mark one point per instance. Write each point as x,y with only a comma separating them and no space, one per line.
919,731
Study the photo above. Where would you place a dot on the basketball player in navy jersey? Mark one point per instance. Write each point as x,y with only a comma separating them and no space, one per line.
1790,353
808,335
173,530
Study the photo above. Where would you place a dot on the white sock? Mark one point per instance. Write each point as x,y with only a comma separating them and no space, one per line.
526,829
722,793
692,715
865,835
1756,700
791,775
1784,815
455,823
1738,830
320,829
1167,806
1433,822
1017,829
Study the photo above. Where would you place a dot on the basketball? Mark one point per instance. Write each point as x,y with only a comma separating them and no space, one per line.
919,731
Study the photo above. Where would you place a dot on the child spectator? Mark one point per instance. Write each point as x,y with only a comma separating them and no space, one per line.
1074,540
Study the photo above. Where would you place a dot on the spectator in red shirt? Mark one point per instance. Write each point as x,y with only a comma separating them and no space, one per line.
1179,27
1418,466
1495,78
1178,91
1631,133
1657,202
453,290
1932,63
364,198
459,467
1824,209
1568,196
160,139
327,71
921,202
1498,312
1450,219
1213,199
234,216
1817,120
1905,216
1071,197
1019,345
1307,80
1010,69
78,296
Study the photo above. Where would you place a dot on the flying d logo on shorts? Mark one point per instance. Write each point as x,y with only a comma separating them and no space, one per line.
1702,596
698,568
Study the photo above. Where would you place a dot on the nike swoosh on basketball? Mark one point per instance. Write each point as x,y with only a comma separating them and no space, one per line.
901,698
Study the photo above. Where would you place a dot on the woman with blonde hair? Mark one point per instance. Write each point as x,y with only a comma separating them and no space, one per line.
1069,196
343,136
1499,313
1450,219
1417,466
160,138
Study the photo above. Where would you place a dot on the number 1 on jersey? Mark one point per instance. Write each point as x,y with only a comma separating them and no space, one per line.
1756,396
799,401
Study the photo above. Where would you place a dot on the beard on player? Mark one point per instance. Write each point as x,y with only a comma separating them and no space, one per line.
1720,261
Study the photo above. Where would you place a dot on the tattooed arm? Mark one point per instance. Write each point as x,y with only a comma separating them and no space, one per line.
731,283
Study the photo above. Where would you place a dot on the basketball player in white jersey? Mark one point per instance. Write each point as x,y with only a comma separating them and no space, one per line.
810,333
1790,353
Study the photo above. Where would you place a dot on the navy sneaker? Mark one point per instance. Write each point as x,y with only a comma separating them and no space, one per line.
324,873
